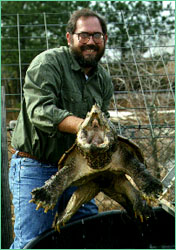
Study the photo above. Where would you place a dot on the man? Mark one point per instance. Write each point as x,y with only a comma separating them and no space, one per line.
61,85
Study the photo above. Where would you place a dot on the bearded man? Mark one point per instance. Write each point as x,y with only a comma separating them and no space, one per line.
61,85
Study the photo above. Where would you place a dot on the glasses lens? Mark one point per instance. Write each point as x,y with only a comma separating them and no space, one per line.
97,37
84,37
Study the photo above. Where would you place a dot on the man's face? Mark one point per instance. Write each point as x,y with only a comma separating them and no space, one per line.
87,54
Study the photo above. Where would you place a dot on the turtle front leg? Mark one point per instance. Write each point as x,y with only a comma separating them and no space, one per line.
47,195
82,195
127,162
144,180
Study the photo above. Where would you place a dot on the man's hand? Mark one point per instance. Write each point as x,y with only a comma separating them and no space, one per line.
70,124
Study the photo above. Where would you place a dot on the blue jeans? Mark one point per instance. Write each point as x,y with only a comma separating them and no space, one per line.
24,175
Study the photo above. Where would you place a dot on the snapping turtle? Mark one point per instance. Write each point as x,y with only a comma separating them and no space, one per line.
99,162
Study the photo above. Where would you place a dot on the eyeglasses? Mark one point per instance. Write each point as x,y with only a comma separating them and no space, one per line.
84,37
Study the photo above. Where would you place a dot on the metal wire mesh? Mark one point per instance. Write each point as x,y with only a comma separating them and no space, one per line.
143,76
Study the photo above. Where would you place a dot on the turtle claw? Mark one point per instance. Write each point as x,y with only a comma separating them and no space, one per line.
46,209
141,218
57,228
59,221
43,198
40,204
32,200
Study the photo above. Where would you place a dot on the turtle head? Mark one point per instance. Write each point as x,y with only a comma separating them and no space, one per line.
95,133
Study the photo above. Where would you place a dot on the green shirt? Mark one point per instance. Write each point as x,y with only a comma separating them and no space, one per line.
56,87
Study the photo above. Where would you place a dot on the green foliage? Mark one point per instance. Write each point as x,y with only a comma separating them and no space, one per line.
32,27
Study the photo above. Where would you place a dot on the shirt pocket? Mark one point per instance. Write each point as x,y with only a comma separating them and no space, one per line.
71,101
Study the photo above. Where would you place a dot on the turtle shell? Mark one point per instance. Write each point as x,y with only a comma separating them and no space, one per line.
134,146
65,155
122,139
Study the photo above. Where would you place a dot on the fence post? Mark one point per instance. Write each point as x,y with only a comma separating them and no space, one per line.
6,222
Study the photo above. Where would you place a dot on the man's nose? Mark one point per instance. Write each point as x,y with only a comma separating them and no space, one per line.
91,41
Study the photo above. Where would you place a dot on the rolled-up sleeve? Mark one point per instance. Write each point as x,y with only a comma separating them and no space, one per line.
41,92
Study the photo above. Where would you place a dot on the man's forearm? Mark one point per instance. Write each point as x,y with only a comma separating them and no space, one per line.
70,124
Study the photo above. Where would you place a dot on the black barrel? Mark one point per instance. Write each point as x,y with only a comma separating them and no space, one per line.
111,230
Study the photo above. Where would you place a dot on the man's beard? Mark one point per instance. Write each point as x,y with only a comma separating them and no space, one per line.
90,60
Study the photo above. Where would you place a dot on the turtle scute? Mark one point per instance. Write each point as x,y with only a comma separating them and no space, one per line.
100,161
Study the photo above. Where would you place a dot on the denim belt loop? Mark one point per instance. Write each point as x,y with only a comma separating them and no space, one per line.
16,153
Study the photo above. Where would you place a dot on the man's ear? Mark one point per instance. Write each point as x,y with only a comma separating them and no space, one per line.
68,36
105,38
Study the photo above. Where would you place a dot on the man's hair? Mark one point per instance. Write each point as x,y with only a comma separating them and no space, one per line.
71,25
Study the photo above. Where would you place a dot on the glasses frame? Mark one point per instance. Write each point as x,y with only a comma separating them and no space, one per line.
90,35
